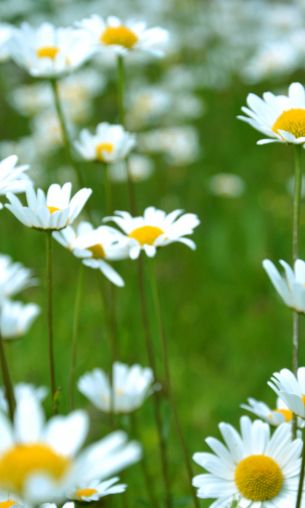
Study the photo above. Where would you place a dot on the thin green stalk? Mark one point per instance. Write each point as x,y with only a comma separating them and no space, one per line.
108,189
302,472
53,385
7,381
168,383
75,331
157,397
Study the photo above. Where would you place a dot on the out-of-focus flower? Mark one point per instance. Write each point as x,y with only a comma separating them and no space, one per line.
139,168
281,118
273,416
96,490
40,461
291,286
14,277
122,37
22,390
131,385
12,178
94,246
5,34
155,229
110,143
252,468
227,185
291,389
52,211
16,318
48,51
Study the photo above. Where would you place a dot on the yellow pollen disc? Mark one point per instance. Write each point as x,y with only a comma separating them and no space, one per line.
258,478
303,399
81,493
288,415
119,36
101,148
292,121
146,235
18,463
53,209
97,251
47,52
7,504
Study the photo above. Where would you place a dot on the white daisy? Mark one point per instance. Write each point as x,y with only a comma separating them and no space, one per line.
274,416
52,211
41,461
291,389
95,246
122,37
14,277
155,229
94,491
281,118
110,143
16,318
48,51
131,386
291,286
252,468
12,177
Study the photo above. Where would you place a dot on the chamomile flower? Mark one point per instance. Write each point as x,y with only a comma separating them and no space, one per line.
122,37
131,386
281,118
52,211
252,468
14,277
94,491
155,229
12,177
291,389
48,51
95,247
41,461
16,318
291,286
274,416
110,143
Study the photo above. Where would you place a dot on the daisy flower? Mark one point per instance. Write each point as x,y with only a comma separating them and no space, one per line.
271,415
291,286
94,491
52,211
155,229
41,461
95,246
291,389
131,386
12,177
252,468
281,118
48,51
109,144
122,37
14,277
16,318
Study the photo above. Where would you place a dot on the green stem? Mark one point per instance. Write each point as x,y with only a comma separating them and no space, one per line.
108,189
157,397
75,331
301,479
50,322
168,383
7,381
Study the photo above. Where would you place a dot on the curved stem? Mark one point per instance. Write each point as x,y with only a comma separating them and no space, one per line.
302,472
50,322
7,381
75,331
295,244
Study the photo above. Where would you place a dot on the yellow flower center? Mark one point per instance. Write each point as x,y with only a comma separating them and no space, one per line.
288,415
47,52
97,251
81,493
146,235
53,209
258,478
7,504
292,121
23,460
101,148
119,36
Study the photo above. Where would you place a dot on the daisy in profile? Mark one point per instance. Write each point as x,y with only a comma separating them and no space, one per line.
274,416
93,491
14,277
291,285
291,389
252,468
122,37
110,143
12,177
155,229
95,246
131,386
48,51
52,211
280,117
41,461
16,318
